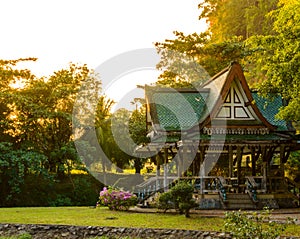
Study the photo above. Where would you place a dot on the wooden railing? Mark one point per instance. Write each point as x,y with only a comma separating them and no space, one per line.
251,188
252,185
222,188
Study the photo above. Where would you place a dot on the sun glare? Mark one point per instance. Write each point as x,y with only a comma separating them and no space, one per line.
18,84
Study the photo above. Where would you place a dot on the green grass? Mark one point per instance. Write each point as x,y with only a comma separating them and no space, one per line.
85,216
104,217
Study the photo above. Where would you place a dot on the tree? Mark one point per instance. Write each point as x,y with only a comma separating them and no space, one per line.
138,133
231,18
123,145
10,75
44,116
186,60
190,60
15,165
103,128
278,56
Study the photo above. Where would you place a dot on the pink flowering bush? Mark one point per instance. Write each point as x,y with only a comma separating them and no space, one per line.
116,199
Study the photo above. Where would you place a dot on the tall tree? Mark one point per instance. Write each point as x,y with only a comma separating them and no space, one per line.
190,60
278,57
10,75
138,133
124,145
44,115
229,18
103,129
187,59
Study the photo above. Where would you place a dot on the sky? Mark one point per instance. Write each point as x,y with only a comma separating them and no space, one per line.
90,31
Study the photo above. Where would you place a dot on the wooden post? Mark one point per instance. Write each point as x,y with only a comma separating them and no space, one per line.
230,161
239,161
264,159
254,158
157,171
283,158
264,176
184,157
165,169
180,162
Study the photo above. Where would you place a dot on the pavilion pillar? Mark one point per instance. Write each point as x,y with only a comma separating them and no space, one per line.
157,171
239,155
284,154
254,157
230,161
202,168
264,165
179,162
264,176
165,169
184,159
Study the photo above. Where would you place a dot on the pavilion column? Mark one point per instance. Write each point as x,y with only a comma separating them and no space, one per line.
179,162
202,168
264,158
239,154
157,171
230,161
254,158
165,169
284,155
184,159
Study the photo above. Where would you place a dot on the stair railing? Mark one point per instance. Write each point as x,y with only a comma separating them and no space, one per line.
222,187
251,188
148,188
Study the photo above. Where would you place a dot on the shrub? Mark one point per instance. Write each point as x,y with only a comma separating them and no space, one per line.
116,199
166,201
179,197
243,225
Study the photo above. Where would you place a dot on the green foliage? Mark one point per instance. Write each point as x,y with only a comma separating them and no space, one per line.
138,133
190,60
179,197
24,236
243,225
15,165
166,201
292,166
61,200
36,135
44,112
278,58
74,190
231,18
21,236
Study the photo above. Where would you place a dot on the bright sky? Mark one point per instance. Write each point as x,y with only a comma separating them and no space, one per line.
89,31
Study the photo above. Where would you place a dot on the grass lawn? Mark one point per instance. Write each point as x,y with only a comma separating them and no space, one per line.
85,216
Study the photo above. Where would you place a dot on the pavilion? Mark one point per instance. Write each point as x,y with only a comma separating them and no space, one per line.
225,139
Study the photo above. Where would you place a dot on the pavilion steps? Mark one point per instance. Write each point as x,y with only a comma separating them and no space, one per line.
236,201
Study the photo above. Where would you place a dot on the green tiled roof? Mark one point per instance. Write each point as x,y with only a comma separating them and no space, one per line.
183,110
180,110
269,108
